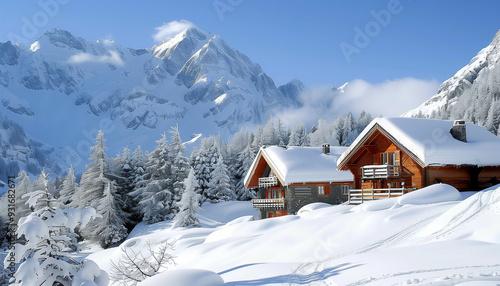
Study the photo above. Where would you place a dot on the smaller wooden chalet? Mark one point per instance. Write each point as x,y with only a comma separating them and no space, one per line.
292,177
394,155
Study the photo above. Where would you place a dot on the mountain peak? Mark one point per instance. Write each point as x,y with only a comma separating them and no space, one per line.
193,31
64,39
471,94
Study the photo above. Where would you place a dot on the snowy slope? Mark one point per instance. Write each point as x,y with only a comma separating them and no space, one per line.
473,93
63,88
433,236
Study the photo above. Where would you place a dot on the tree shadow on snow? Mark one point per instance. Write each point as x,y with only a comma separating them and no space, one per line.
296,278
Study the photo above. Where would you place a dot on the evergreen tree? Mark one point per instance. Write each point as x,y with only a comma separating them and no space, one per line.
93,192
203,161
246,157
234,160
125,176
179,165
154,189
299,136
110,229
138,162
219,186
43,256
282,134
23,187
363,120
189,203
257,140
95,178
269,134
68,187
349,130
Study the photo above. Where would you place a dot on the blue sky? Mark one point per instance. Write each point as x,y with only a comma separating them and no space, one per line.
425,40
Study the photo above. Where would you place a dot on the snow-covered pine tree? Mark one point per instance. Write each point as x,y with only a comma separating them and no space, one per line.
257,139
189,203
92,191
349,130
23,187
299,135
269,134
219,186
363,120
125,176
154,188
179,165
110,229
246,158
95,177
138,161
233,158
203,160
281,133
43,256
68,187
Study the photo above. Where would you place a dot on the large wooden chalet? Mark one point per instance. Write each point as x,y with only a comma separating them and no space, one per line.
396,155
292,177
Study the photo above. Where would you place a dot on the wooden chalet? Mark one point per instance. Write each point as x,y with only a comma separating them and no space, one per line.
290,178
395,155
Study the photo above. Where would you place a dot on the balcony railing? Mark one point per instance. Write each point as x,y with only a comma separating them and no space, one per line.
362,195
269,203
266,182
380,171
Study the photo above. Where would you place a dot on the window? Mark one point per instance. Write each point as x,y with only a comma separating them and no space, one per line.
275,194
321,190
345,189
385,159
390,158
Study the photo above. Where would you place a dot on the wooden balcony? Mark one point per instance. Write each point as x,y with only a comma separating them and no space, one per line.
266,182
278,204
370,172
360,196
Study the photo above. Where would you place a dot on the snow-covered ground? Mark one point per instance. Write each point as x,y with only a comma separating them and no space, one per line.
435,236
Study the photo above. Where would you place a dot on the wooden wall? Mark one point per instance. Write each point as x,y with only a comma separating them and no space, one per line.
370,154
464,178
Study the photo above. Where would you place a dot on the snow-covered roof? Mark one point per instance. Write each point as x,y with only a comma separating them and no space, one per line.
431,143
302,164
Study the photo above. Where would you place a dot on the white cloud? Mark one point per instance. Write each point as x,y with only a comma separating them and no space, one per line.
170,29
112,58
389,98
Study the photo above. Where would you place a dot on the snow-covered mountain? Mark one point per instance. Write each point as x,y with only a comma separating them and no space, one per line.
20,152
63,88
473,93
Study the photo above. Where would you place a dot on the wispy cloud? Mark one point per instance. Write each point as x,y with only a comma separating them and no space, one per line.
111,58
389,98
170,29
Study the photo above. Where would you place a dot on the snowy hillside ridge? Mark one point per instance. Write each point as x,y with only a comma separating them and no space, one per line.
193,76
471,94
435,235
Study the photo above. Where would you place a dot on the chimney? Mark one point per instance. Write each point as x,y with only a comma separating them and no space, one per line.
325,148
458,131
